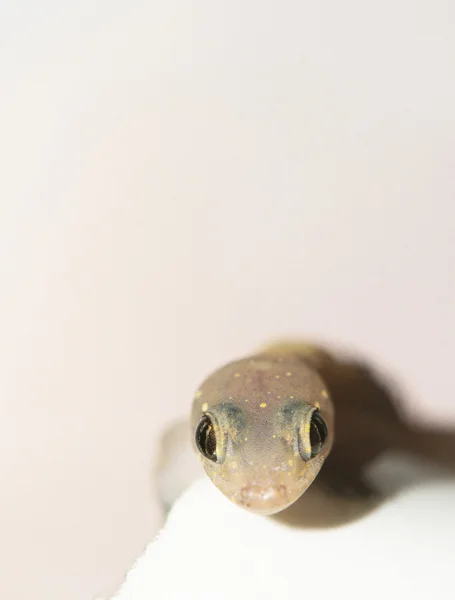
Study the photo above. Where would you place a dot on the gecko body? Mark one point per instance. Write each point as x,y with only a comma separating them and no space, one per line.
267,426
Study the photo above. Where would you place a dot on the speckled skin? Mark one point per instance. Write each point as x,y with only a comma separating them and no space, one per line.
260,406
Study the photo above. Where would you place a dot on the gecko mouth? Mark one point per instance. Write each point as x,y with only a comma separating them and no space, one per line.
263,499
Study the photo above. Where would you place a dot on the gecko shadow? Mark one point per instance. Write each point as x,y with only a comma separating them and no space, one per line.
369,424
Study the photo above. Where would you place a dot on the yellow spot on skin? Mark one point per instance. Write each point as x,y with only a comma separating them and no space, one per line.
317,405
289,473
246,399
204,407
307,428
290,462
233,465
288,374
274,436
291,397
324,394
278,397
230,397
236,374
269,392
263,404
198,394
245,439
277,376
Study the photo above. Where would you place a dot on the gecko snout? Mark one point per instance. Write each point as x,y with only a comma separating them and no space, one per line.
263,499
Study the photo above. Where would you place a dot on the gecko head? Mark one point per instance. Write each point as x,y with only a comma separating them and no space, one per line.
261,445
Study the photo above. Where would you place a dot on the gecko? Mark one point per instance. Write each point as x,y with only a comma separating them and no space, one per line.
267,426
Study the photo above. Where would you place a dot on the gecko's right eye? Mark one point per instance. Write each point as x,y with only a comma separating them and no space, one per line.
206,438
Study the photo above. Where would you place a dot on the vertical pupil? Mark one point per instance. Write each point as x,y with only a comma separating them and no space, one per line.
206,438
318,433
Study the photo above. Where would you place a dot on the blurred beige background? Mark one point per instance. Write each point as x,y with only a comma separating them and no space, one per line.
181,181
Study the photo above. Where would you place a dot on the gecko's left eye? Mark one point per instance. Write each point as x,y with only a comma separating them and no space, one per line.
318,433
313,439
206,438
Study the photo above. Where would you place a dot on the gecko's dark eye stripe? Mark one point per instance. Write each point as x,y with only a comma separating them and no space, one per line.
206,438
318,433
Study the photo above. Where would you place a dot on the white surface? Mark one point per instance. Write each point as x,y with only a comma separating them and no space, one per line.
210,549
179,182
